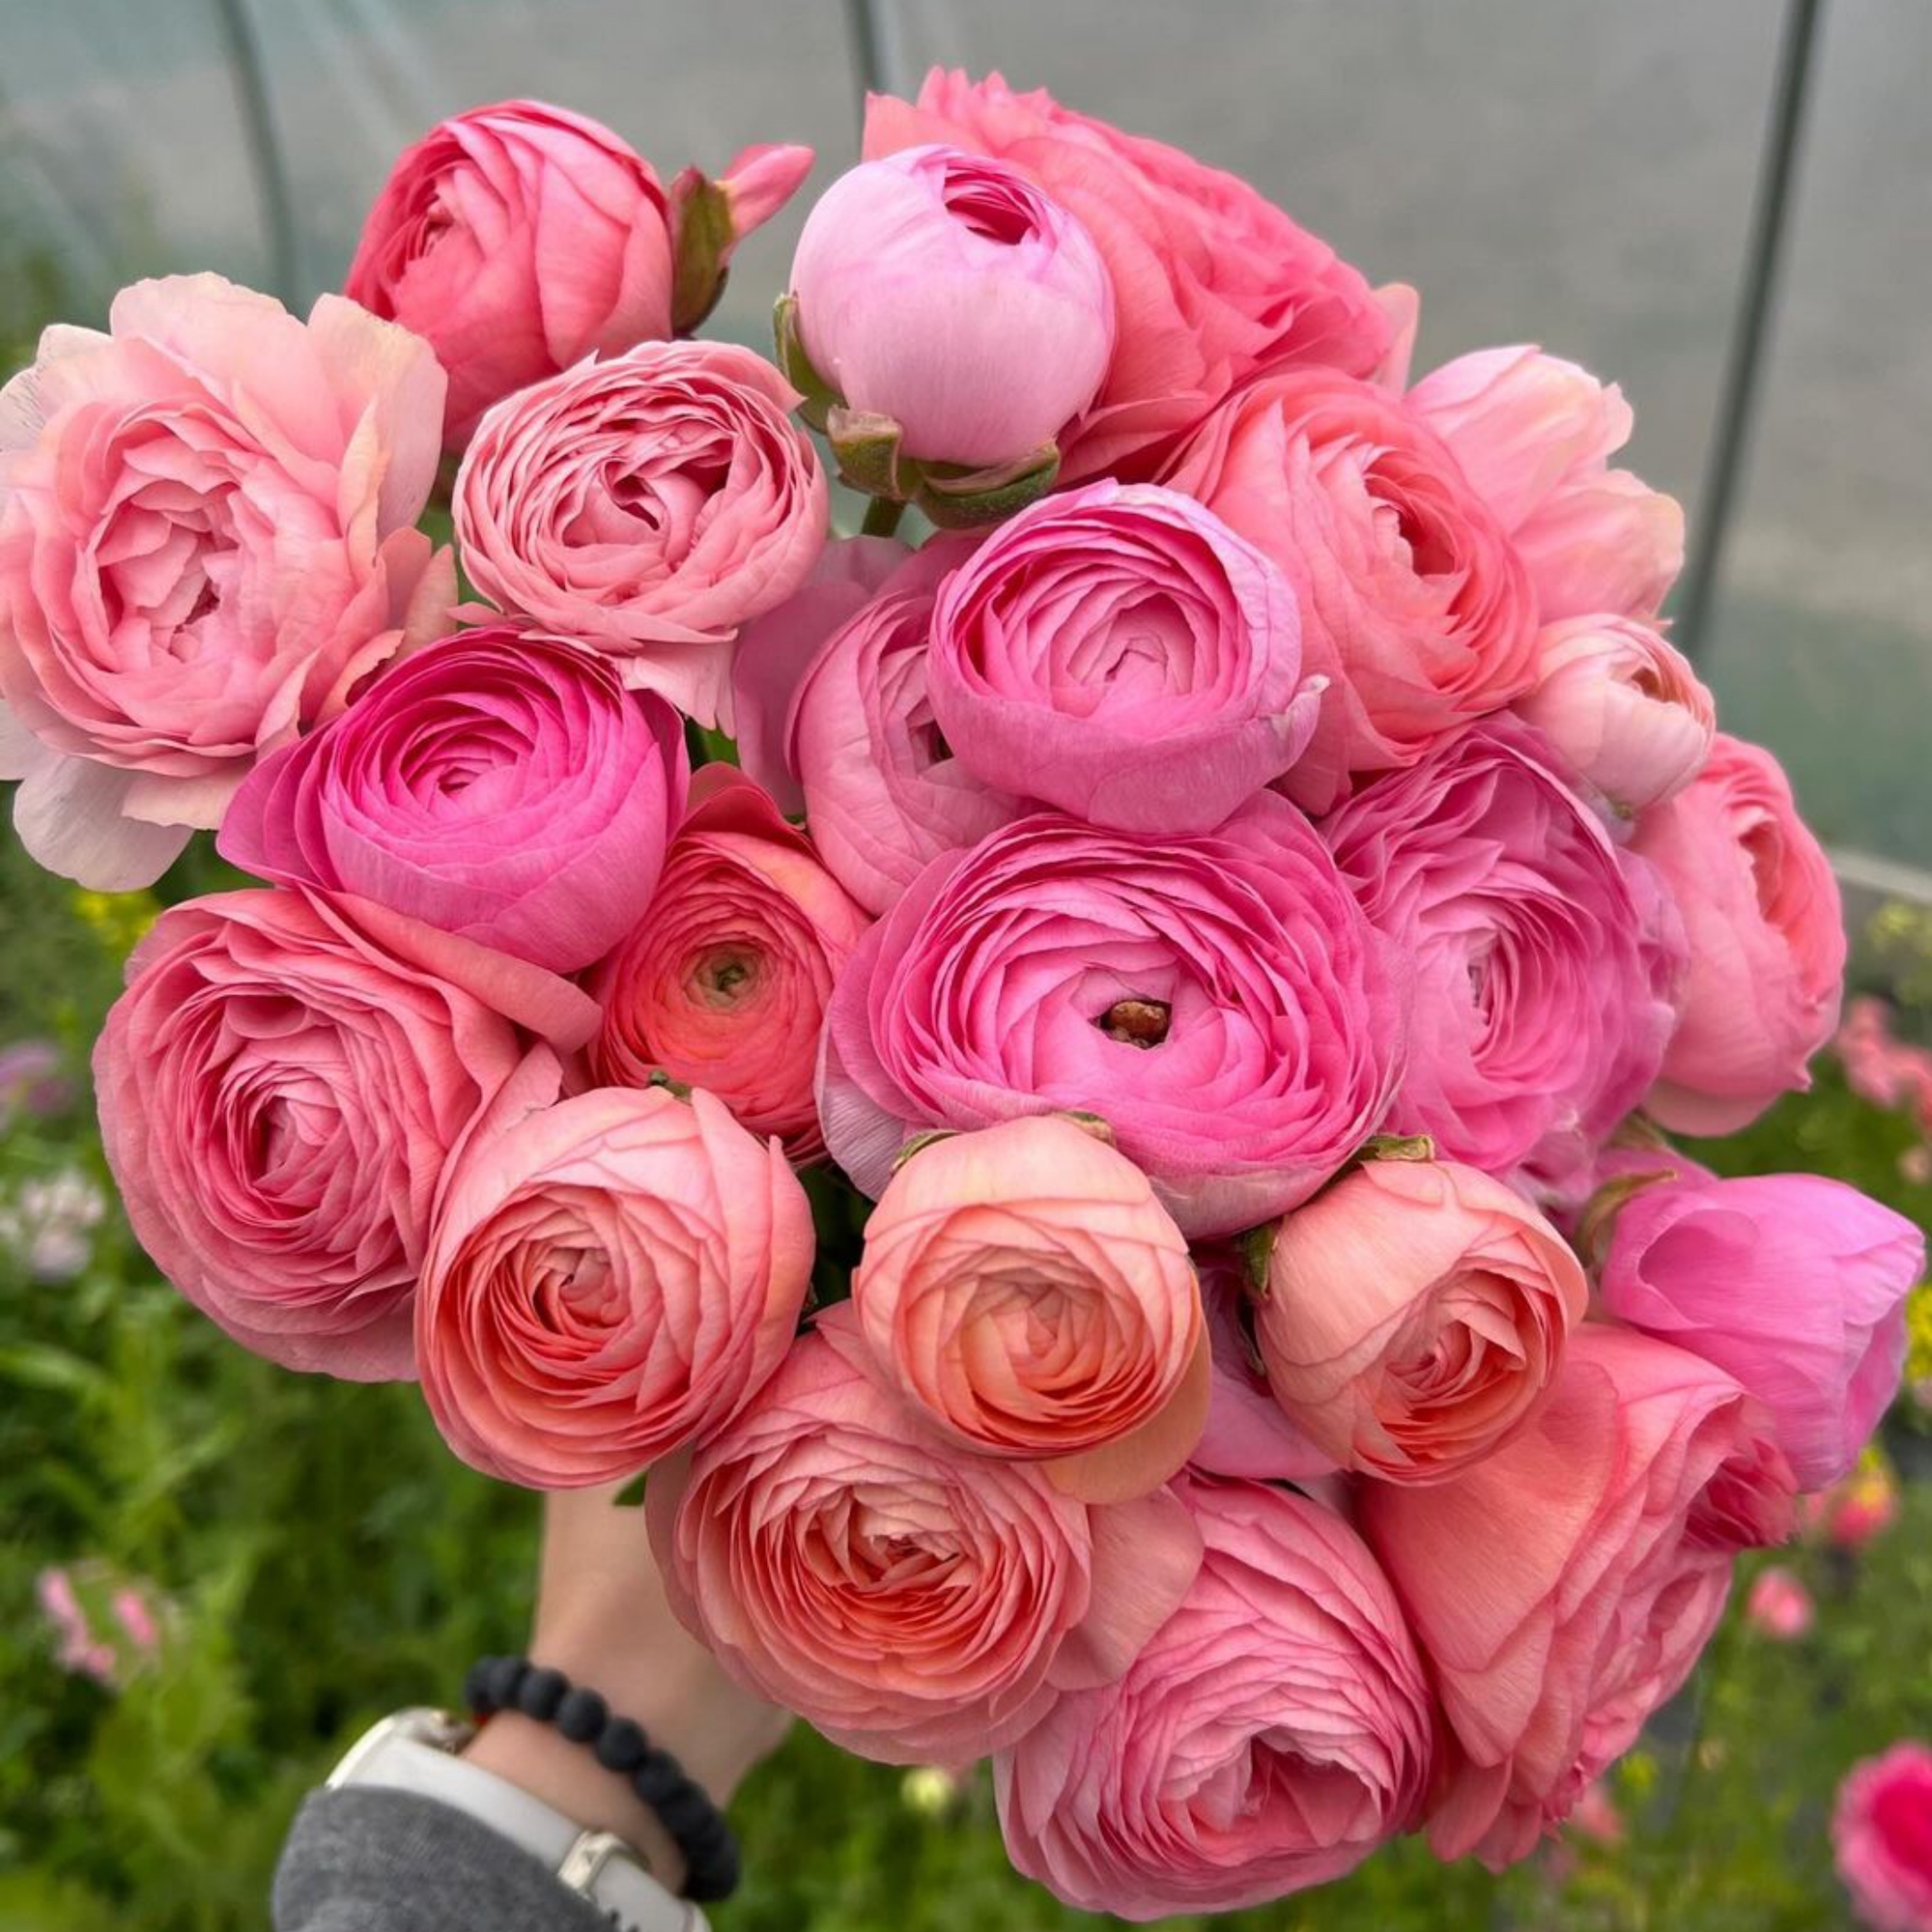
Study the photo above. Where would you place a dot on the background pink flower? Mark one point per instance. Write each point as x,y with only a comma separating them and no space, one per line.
1882,1836
1779,1604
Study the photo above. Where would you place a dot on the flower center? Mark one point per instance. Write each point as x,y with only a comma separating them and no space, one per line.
1141,1023
725,977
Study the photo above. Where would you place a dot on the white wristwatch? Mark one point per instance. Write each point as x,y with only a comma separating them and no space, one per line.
415,1750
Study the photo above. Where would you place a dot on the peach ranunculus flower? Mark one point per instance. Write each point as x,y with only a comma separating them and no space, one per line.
646,507
1562,1589
912,1600
1275,1731
1882,1838
207,540
1023,1286
609,1277
724,980
1414,1316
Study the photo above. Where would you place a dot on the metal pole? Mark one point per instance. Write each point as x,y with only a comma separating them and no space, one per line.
1768,222
249,75
866,29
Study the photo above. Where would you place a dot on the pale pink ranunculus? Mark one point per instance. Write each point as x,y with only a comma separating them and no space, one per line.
911,1600
1779,1604
1022,1284
1119,652
1545,957
1535,436
1880,1068
1211,283
609,1277
207,541
502,785
1622,708
1793,1284
1414,1316
646,507
723,982
775,650
1247,1433
1414,603
518,239
1767,933
278,1097
942,293
884,793
1275,1731
1561,1590
1882,1838
1220,1001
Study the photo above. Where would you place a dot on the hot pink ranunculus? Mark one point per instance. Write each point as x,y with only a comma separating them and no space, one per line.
1545,958
1779,1604
646,507
1535,436
1767,935
1414,1316
207,540
1563,1588
608,1278
1211,283
1793,1283
724,980
1274,1732
1119,652
1852,1512
911,1600
1220,1001
1415,604
278,1097
502,785
1882,1838
944,292
1022,1284
518,239
1622,708
884,793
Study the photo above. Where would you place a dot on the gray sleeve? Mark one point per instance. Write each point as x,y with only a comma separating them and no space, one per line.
364,1860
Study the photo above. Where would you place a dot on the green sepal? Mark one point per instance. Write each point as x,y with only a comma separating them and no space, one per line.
1257,1249
920,1143
820,398
965,500
704,238
1398,1146
867,448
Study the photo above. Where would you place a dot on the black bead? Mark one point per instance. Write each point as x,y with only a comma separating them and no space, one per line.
501,1681
541,1692
621,1744
475,1682
714,1877
683,1811
582,1715
657,1778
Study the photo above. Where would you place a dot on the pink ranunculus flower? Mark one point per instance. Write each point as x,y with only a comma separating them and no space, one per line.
1274,1732
775,650
1535,436
1793,1284
1415,604
1545,958
1855,1510
1562,1589
32,1080
1882,1838
1247,1433
884,793
278,1097
646,507
942,293
1211,283
1156,981
1622,708
911,1600
723,982
609,1277
501,785
1779,1604
207,541
518,239
1414,1317
1022,1284
107,1627
1766,934
1119,652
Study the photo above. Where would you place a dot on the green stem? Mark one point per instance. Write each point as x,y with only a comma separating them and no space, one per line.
882,517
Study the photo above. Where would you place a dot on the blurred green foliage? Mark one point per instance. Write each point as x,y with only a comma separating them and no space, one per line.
327,1561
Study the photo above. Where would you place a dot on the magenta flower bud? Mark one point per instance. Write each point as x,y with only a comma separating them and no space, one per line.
944,292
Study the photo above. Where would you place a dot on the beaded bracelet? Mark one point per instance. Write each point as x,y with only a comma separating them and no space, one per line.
682,1807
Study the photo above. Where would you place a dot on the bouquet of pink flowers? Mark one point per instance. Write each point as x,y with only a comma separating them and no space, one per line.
1089,1096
